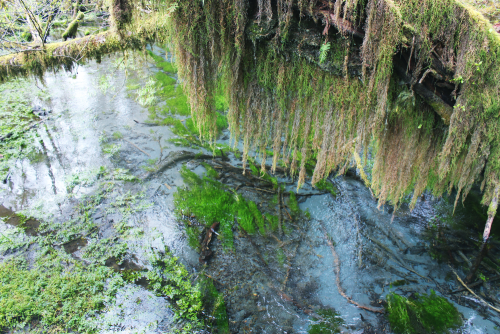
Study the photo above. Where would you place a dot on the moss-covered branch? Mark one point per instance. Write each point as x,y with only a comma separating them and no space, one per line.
66,54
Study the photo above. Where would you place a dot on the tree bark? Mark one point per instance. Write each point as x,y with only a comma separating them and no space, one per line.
75,9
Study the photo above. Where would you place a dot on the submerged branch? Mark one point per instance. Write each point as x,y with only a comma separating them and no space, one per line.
337,279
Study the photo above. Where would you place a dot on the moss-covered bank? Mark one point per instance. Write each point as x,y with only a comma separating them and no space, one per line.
284,99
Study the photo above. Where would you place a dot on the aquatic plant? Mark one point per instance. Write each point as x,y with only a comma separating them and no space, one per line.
421,314
210,201
326,185
171,279
59,297
215,305
329,324
18,134
165,65
293,205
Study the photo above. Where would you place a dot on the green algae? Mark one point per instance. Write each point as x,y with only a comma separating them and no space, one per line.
421,314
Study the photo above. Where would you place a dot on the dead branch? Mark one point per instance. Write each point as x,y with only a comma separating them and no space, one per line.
337,274
472,292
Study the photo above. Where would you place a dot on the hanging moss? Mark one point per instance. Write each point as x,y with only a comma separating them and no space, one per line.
421,314
281,97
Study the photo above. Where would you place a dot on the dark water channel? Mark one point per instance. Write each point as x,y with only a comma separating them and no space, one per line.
271,284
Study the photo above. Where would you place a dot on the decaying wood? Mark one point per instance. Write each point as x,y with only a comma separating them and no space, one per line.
173,158
477,283
289,259
395,257
205,245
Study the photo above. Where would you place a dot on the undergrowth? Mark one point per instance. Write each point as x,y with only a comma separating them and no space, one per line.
57,292
210,201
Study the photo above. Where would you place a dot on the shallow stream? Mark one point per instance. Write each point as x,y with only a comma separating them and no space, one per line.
271,284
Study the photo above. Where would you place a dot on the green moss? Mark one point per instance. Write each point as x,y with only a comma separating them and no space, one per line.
329,324
245,216
59,297
164,79
72,28
215,305
167,67
221,122
179,105
272,222
328,186
27,36
282,97
210,201
421,314
292,203
258,217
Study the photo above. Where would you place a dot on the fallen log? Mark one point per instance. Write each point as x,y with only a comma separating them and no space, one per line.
65,55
